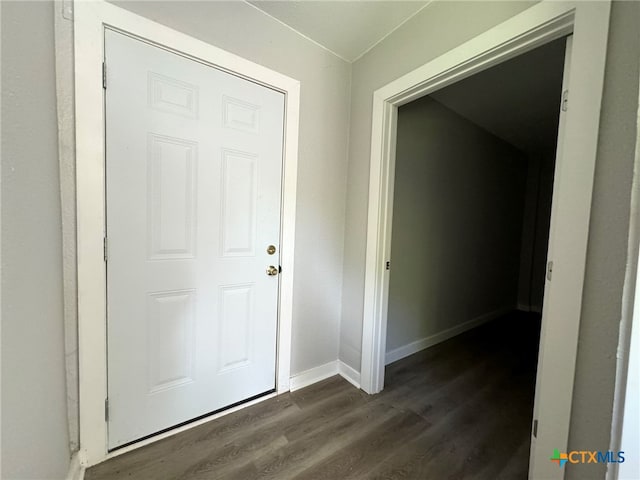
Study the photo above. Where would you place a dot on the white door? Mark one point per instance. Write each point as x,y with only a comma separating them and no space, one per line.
193,181
553,351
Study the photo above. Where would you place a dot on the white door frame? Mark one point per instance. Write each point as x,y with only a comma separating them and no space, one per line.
90,19
543,22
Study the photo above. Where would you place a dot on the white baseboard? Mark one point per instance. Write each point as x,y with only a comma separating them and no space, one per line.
349,374
317,374
313,375
426,342
76,470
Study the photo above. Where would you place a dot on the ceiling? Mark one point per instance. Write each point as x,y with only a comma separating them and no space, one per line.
518,100
347,28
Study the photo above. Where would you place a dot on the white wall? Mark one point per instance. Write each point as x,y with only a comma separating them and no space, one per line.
457,222
325,81
630,443
436,29
35,442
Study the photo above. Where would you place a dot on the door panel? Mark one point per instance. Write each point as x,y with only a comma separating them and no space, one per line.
193,180
552,348
239,201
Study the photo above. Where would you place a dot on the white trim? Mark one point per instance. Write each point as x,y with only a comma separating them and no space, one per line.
627,436
76,470
89,21
322,372
541,23
313,375
426,342
349,373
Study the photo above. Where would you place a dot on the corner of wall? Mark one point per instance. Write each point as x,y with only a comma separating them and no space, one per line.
76,469
63,29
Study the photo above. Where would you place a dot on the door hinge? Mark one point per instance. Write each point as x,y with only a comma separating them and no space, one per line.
106,409
565,100
104,75
105,250
535,428
387,266
549,270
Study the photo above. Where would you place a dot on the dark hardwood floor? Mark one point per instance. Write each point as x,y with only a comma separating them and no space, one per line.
459,410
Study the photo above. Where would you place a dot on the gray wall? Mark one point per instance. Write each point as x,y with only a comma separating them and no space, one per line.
457,223
436,29
325,81
608,239
35,442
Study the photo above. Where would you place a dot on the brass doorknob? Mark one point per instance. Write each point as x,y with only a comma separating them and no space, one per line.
272,271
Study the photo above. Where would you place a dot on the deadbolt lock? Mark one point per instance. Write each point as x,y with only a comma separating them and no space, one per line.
272,271
271,249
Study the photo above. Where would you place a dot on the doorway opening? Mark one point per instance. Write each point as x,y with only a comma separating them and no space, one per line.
473,191
573,188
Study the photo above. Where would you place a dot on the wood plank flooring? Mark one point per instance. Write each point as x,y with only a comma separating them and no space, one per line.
459,410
